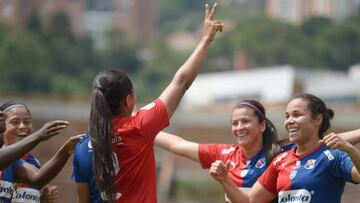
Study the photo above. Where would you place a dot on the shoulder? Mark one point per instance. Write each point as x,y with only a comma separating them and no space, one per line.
281,157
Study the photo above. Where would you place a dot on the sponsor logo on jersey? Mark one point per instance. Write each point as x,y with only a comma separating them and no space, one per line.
310,164
293,174
117,140
244,172
329,155
149,106
279,158
6,189
27,195
227,151
90,145
295,196
260,163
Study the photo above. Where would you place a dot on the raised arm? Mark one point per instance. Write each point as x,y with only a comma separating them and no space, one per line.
178,145
39,178
15,151
186,74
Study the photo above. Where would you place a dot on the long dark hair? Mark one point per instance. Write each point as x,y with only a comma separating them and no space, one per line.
108,91
7,107
316,107
270,138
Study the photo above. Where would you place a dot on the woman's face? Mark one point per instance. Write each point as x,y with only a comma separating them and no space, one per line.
245,128
299,124
18,125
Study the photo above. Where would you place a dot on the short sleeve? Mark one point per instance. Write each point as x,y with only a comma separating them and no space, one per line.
341,167
208,153
268,179
152,118
79,174
17,164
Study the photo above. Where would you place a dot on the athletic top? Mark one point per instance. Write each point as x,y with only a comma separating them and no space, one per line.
24,193
7,189
243,171
316,176
83,169
133,144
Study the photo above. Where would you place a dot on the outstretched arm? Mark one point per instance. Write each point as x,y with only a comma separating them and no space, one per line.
39,178
186,74
15,151
178,145
353,137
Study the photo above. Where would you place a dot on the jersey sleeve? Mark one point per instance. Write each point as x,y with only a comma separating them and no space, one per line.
152,118
208,153
78,174
341,167
269,178
32,160
17,164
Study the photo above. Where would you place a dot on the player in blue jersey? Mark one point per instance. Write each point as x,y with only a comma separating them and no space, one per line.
14,152
314,171
87,190
18,127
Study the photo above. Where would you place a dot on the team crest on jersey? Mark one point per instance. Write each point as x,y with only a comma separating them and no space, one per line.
310,164
260,163
293,174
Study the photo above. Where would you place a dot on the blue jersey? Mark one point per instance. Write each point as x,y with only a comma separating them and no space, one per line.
83,169
7,189
24,193
316,176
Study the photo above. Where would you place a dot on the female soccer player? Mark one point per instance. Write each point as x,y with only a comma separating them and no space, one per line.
123,157
314,171
18,127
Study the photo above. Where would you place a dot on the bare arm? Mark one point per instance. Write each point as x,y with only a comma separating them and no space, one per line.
352,137
186,74
178,145
39,178
83,193
15,151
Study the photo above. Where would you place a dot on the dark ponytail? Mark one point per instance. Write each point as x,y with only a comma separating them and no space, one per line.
108,90
270,138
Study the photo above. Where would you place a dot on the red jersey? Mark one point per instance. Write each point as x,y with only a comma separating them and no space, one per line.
133,144
243,171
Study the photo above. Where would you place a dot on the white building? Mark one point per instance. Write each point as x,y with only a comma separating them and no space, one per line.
271,85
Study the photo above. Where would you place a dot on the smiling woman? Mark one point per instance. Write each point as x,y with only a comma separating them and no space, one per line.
18,127
313,171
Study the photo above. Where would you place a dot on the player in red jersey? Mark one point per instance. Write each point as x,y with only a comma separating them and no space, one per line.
314,171
255,145
123,156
